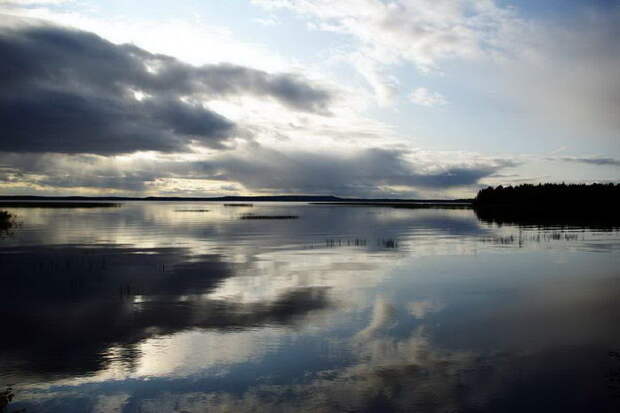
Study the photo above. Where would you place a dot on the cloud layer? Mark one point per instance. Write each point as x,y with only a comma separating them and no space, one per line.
365,172
424,97
76,109
424,33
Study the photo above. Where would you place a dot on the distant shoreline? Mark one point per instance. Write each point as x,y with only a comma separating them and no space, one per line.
545,204
419,204
56,204
262,198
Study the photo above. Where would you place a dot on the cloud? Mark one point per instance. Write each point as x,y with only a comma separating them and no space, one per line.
424,97
590,160
365,172
41,121
70,91
558,68
268,21
421,32
384,86
58,172
31,2
253,168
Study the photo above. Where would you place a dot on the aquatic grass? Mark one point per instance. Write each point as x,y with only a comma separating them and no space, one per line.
6,397
540,237
358,242
191,210
239,205
7,222
389,243
6,219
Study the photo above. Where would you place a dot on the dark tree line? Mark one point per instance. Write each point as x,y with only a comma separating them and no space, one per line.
573,204
551,194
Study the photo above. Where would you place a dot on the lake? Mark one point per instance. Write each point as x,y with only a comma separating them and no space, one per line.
186,307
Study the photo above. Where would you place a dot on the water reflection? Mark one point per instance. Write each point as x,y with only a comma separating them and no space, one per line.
168,307
85,300
571,216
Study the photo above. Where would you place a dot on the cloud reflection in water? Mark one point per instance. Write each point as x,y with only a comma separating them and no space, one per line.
145,309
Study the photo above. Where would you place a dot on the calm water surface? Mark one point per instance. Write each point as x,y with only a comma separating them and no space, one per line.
166,307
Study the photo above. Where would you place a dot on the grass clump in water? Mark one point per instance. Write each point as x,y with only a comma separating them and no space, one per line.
7,221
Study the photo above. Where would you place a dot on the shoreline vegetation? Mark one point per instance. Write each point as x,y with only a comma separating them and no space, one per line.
593,205
550,204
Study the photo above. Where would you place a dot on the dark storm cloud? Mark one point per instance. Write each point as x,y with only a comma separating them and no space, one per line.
65,122
454,176
291,90
70,91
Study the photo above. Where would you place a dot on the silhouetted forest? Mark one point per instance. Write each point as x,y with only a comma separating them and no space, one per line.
549,194
574,204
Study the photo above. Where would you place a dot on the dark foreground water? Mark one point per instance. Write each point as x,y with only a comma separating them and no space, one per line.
166,307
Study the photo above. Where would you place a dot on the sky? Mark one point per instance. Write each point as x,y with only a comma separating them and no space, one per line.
355,98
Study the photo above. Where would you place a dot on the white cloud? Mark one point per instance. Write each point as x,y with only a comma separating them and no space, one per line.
384,86
424,97
32,2
194,41
562,71
420,32
268,21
